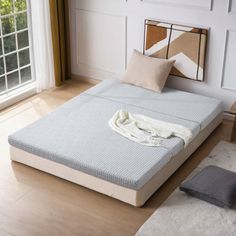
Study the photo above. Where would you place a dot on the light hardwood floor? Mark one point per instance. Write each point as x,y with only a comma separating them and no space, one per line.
35,203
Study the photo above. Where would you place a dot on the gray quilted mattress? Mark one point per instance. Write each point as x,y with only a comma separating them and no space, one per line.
77,134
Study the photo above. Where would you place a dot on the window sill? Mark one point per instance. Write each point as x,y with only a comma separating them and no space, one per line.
17,95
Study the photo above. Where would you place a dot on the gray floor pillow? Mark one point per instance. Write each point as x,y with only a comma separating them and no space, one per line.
214,185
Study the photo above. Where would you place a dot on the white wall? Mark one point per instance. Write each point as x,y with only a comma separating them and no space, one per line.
105,32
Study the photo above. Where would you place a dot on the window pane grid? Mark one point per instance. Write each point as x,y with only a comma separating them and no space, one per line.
12,14
16,87
15,51
4,59
16,40
15,46
20,68
15,32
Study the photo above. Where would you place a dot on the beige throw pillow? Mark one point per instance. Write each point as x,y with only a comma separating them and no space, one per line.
147,72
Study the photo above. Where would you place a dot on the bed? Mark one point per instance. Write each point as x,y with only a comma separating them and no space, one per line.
75,142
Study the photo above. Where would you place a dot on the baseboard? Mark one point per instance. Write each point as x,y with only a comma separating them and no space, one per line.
85,79
228,117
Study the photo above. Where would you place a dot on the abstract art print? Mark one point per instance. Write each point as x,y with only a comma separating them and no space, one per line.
187,45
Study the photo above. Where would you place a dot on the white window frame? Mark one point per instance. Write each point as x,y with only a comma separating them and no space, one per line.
30,85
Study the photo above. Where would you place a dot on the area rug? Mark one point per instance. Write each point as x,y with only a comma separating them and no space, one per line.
184,215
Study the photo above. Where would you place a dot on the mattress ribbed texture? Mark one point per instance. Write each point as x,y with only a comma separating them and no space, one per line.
77,134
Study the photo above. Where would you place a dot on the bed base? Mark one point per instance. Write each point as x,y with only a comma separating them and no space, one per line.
134,197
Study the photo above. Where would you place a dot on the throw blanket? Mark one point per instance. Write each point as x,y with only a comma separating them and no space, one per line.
145,130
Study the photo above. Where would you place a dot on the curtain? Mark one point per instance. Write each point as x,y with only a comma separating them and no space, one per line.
42,45
60,39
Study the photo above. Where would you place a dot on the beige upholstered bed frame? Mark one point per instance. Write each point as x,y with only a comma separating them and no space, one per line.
133,197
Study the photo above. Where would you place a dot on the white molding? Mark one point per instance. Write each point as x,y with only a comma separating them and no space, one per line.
230,10
224,61
181,5
90,69
94,72
182,23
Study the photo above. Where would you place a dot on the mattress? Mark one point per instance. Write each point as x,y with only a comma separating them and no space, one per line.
133,197
175,103
77,134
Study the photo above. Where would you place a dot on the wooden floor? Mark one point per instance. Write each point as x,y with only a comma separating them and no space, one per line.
35,203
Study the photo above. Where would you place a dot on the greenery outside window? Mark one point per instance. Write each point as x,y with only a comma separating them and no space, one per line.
15,45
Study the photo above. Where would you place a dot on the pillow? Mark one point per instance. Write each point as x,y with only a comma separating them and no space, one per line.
147,72
214,185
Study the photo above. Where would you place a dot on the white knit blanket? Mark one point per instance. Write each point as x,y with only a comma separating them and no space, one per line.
145,130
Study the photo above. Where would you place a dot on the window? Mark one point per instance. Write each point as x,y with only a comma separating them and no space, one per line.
15,45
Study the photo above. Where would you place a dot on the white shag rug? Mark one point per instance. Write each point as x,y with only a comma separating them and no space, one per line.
184,215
